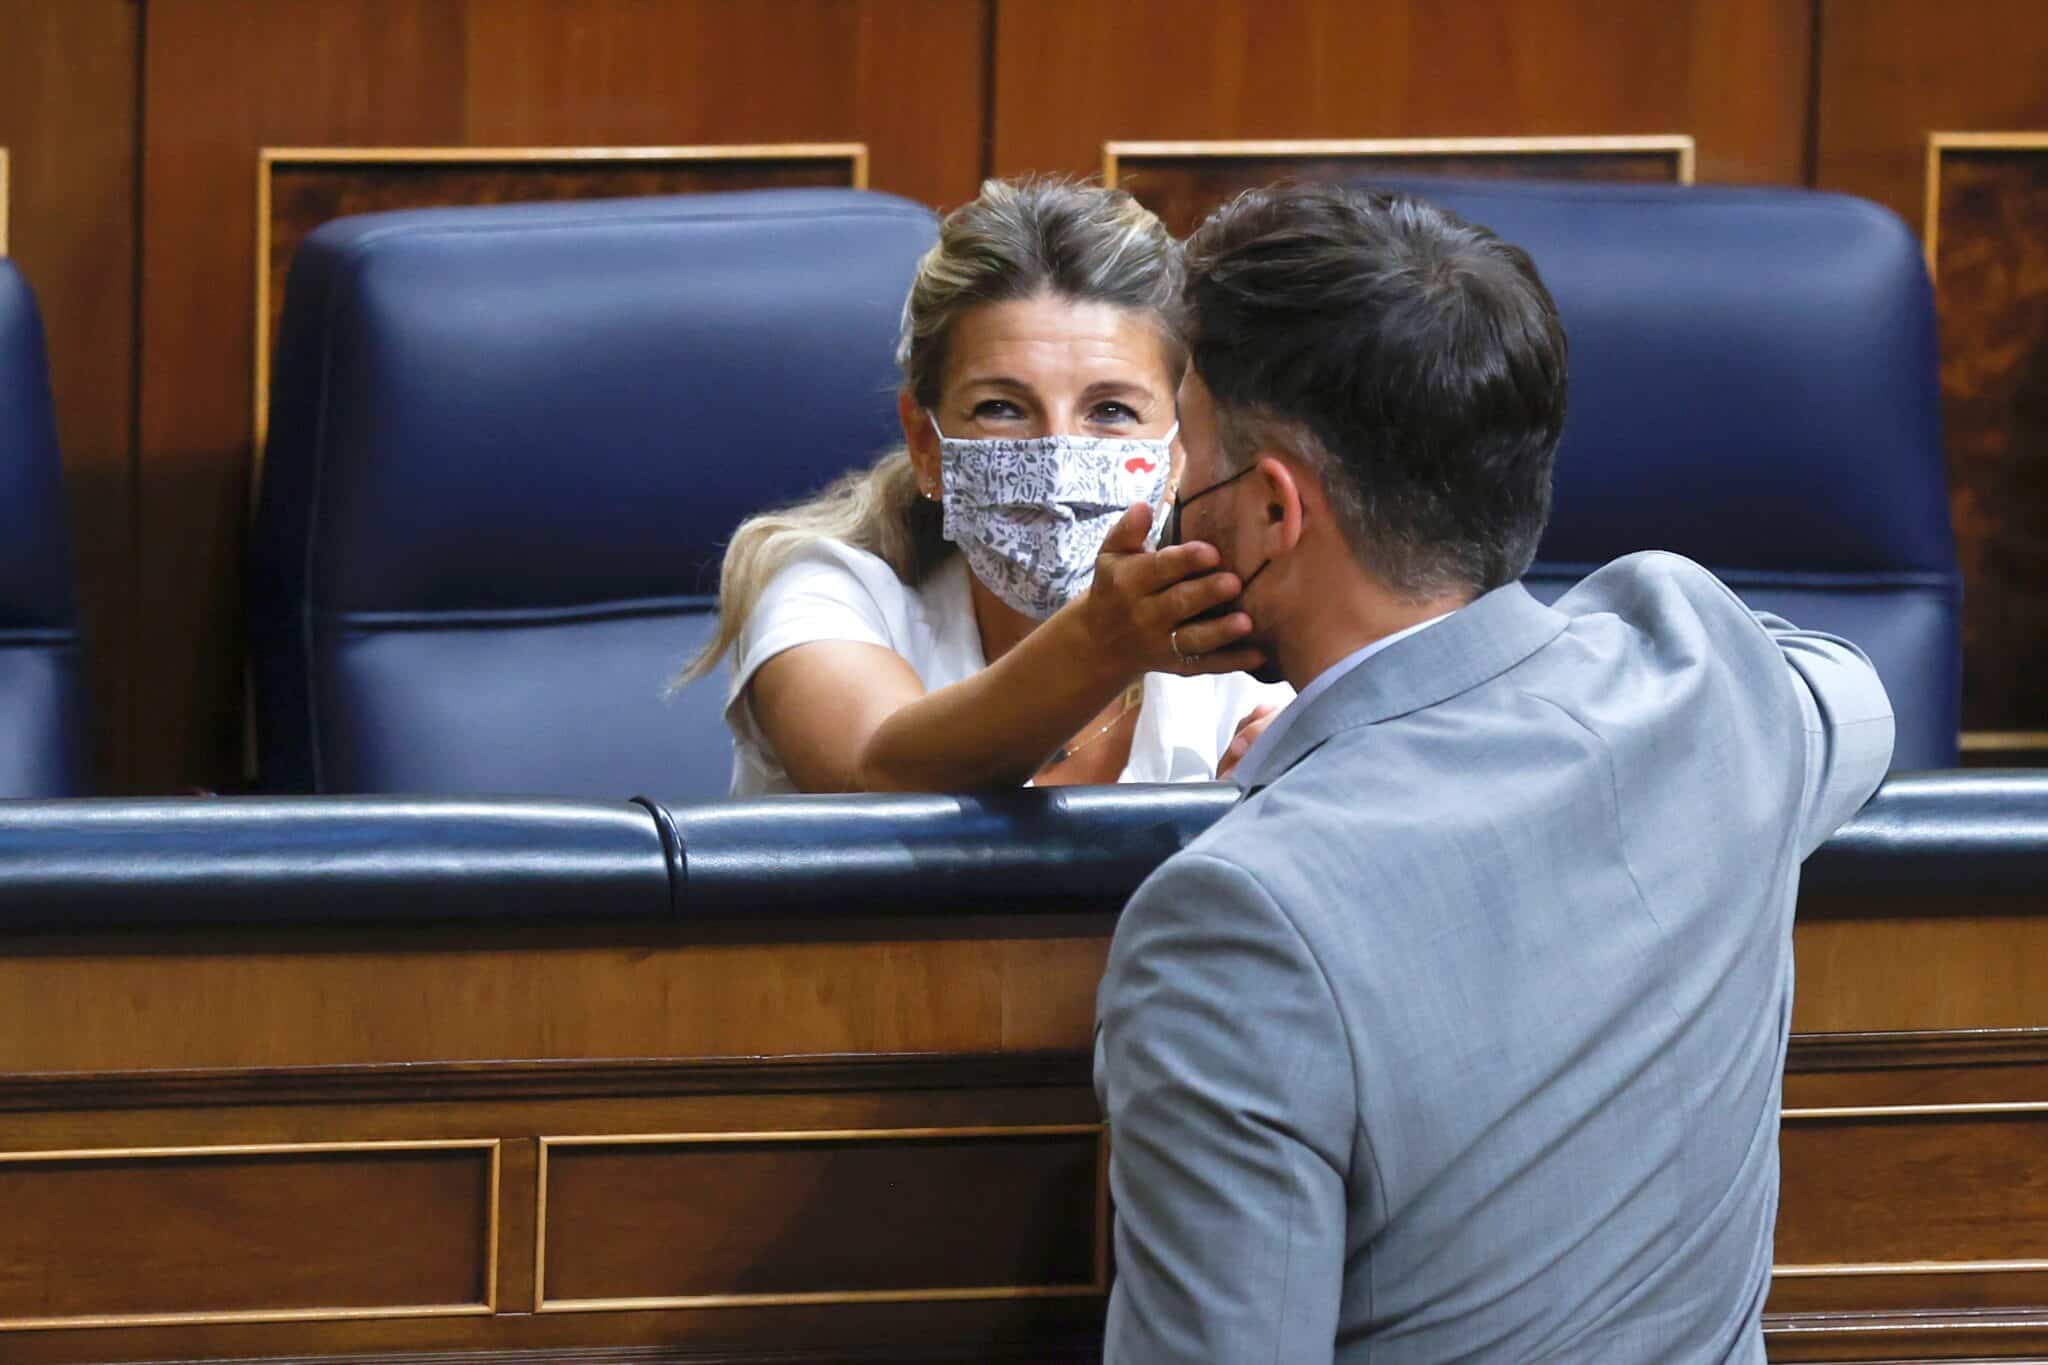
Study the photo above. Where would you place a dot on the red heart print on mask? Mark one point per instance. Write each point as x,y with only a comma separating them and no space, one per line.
1138,464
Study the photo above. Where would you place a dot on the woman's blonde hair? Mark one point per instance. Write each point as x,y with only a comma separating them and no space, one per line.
1017,239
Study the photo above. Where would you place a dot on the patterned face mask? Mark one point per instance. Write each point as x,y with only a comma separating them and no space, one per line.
1031,514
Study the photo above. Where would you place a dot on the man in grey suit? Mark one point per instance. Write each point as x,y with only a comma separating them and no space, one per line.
1461,1038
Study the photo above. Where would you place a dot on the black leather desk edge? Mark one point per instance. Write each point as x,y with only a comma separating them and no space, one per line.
256,861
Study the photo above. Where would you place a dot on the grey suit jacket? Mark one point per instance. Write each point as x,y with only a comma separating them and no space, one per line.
1462,1039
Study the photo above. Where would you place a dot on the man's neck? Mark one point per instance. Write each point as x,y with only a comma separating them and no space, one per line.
1345,617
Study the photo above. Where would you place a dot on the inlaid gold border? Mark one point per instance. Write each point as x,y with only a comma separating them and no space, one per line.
488,1306
1857,1269
1680,145
1097,1285
269,158
1973,741
3,201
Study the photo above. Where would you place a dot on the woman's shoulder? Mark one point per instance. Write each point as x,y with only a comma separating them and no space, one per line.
820,563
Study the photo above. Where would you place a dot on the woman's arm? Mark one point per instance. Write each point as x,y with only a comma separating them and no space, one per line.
844,716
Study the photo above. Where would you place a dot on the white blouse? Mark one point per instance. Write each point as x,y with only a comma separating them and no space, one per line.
831,591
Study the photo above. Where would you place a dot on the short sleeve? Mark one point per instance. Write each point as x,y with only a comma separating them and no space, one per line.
825,592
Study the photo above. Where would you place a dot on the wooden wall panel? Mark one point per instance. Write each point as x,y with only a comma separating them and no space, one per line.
1986,207
1184,182
721,1220
1073,74
1891,73
226,1233
68,74
226,77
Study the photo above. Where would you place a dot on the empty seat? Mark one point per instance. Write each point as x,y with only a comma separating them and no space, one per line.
42,721
1754,385
507,445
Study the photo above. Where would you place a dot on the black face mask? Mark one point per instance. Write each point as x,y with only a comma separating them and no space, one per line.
1172,536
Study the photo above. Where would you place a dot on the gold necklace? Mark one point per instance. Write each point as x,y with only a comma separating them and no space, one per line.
1133,694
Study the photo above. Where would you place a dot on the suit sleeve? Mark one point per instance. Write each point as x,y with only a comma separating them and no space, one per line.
1849,727
1226,1076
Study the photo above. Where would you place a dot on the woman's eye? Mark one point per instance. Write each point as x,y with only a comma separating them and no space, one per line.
994,409
1114,412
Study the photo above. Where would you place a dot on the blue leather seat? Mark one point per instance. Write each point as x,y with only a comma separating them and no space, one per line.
42,711
507,446
1754,385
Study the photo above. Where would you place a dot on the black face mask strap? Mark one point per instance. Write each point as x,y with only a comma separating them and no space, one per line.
1172,536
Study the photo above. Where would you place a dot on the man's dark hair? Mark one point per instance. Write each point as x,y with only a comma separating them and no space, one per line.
1416,360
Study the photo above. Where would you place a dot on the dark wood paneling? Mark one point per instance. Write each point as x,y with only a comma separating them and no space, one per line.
952,1094
1905,1154
225,78
247,1232
68,84
1958,967
835,1217
312,998
1991,288
1073,74
222,79
1889,1189
1184,188
1891,72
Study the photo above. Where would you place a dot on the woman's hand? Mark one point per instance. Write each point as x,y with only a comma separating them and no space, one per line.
1138,612
1248,731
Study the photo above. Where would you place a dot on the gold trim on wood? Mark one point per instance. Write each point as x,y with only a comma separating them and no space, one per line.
1854,1268
3,201
486,1307
1937,143
1995,741
1680,145
1974,741
1098,1283
1828,1270
269,158
1913,1111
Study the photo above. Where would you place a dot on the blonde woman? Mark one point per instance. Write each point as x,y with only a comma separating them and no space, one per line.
987,606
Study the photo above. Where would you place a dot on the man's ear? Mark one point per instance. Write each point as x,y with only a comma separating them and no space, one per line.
922,441
1289,497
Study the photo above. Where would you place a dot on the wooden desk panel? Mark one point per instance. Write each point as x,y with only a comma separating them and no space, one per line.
1913,1216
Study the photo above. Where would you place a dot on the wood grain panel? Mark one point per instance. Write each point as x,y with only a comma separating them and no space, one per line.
720,1220
1896,1207
957,1094
1072,75
1892,72
1959,970
68,81
272,1000
221,79
1987,197
1184,182
224,1233
227,77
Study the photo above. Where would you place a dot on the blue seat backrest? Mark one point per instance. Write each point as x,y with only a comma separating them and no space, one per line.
1754,385
42,722
507,446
